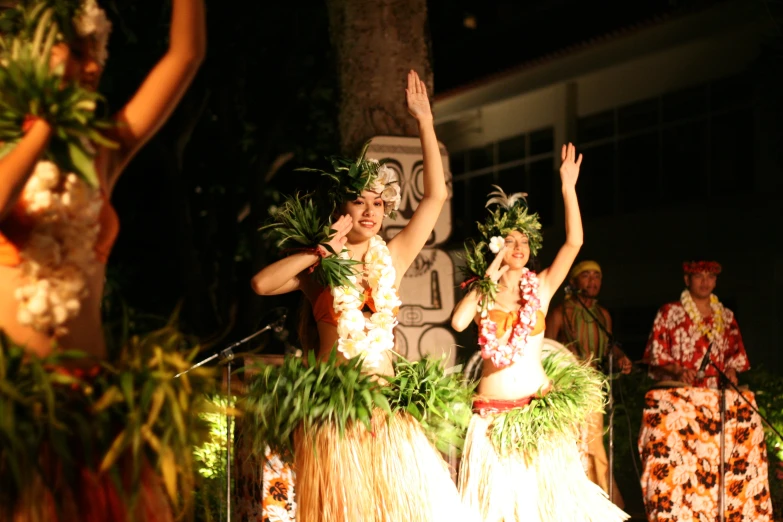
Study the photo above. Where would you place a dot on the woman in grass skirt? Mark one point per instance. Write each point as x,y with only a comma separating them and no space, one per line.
361,424
521,458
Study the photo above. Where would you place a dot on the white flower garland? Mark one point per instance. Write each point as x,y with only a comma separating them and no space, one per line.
718,320
510,352
92,21
60,250
359,335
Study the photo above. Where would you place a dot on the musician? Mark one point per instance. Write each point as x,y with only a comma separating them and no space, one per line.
580,323
679,440
685,329
584,326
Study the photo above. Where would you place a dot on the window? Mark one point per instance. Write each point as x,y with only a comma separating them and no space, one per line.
681,147
522,163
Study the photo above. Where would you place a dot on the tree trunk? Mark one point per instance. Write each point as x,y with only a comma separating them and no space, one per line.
376,44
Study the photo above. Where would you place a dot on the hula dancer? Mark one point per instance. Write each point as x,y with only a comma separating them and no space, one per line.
81,437
361,423
521,460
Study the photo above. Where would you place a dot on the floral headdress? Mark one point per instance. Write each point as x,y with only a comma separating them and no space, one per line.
698,267
350,177
30,89
74,19
91,21
511,214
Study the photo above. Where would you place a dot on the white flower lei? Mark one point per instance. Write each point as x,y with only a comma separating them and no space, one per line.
92,21
491,348
359,335
60,250
718,321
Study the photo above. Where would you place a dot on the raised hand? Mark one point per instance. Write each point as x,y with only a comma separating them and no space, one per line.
569,170
495,271
416,95
341,227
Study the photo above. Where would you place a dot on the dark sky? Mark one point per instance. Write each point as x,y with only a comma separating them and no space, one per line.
510,32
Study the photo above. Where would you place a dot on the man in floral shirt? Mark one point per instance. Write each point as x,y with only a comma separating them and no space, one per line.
679,440
683,331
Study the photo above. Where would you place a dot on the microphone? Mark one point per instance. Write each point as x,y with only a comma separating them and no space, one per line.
279,325
704,362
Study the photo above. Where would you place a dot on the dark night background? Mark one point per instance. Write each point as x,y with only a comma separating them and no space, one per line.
191,202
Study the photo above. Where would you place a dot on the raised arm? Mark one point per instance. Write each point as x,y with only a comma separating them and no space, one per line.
157,97
406,245
17,166
552,277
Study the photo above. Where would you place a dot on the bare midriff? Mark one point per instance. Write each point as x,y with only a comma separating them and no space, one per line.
517,380
85,332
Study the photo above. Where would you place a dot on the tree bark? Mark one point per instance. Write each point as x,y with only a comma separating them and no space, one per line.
376,44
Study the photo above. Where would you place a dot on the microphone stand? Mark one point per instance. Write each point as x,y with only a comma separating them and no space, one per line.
227,354
723,380
610,403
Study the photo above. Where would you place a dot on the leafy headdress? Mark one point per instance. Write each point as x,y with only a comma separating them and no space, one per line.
510,213
29,88
348,178
303,222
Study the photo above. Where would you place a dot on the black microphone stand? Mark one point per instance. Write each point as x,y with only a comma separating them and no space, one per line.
610,403
227,354
723,380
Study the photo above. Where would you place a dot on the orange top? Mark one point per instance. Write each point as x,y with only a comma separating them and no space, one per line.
505,320
323,308
15,229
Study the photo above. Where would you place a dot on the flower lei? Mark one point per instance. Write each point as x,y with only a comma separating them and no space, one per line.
504,355
718,321
59,252
359,335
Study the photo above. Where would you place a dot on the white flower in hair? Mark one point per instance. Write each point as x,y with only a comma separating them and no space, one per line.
92,21
386,175
496,243
391,195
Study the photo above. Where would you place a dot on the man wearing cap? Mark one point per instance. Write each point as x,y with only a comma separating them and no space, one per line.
575,323
683,331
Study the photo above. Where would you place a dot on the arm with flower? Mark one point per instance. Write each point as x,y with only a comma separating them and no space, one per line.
17,166
165,85
551,278
406,245
479,297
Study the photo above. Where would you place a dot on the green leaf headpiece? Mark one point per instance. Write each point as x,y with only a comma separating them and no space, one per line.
511,213
348,178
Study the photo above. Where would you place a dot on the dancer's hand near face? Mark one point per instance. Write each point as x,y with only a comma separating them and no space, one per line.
495,271
341,227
